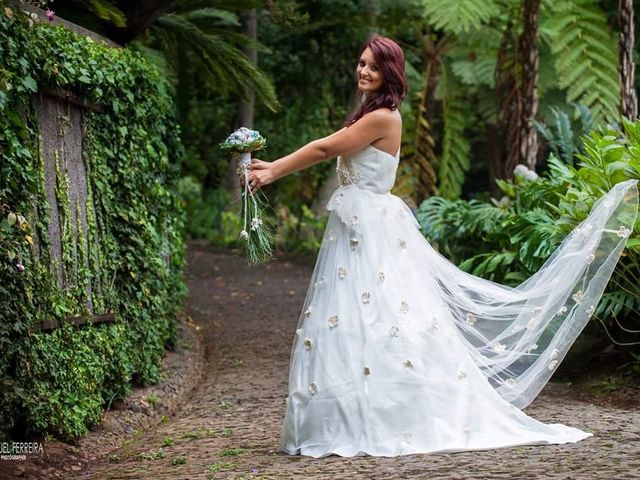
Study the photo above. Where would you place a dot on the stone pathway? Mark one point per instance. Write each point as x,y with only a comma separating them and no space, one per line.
230,427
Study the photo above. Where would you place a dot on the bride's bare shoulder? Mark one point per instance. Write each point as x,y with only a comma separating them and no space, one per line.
384,114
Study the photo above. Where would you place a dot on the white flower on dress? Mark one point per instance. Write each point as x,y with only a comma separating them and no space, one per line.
623,232
321,283
408,364
553,354
402,244
353,243
366,370
470,319
366,297
381,276
590,259
394,331
308,343
461,375
307,312
590,311
354,220
578,296
404,307
552,364
510,382
332,235
313,388
517,328
333,321
342,272
244,234
499,347
532,347
562,310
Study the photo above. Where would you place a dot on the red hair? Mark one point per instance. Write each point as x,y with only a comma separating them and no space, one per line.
390,58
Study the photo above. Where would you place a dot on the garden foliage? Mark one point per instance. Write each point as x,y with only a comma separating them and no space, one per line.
61,381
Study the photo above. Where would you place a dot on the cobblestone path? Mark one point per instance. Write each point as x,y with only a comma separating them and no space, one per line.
230,427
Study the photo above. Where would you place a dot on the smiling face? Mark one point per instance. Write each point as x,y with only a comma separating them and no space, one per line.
368,72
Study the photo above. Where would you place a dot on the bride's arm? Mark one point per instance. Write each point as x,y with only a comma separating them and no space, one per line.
366,130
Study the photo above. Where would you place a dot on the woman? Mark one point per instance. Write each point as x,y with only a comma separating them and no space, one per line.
398,351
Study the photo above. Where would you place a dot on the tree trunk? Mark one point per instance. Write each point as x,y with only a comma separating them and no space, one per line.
628,96
424,160
246,107
530,60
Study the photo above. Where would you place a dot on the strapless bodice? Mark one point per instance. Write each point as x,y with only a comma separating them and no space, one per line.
370,169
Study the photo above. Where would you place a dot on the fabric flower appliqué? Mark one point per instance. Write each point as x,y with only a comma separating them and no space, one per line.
404,307
333,321
532,347
354,220
353,243
342,272
381,276
307,312
321,283
499,347
308,343
402,244
366,370
590,259
408,364
313,388
578,296
590,311
470,319
552,364
510,382
394,331
562,311
332,235
461,375
623,232
366,297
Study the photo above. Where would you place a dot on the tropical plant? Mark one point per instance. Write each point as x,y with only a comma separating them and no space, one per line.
507,240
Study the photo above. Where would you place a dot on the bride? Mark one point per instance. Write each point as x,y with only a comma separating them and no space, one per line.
397,351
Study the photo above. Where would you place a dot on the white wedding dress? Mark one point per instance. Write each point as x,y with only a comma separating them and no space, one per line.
398,351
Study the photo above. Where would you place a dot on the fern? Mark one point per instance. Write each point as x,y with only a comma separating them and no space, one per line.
454,161
586,57
461,15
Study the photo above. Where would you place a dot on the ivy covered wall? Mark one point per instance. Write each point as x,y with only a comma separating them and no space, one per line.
124,255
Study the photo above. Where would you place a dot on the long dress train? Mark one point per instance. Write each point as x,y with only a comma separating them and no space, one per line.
398,351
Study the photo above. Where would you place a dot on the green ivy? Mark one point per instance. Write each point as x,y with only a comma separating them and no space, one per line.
59,382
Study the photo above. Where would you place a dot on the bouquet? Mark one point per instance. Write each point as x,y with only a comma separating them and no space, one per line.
257,239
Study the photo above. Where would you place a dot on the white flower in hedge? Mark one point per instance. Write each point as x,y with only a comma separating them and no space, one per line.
524,172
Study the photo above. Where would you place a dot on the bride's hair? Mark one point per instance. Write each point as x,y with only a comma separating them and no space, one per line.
390,59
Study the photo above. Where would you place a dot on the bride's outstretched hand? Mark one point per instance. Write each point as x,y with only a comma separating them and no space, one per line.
260,174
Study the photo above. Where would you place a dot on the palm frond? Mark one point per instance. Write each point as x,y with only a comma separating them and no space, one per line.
228,66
